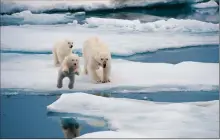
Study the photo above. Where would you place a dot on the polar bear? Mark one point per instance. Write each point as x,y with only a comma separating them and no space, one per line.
68,68
96,54
61,49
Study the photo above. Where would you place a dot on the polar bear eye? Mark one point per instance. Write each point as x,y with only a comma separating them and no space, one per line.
72,59
101,58
106,58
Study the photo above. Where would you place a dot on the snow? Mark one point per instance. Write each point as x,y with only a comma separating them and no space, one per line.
41,38
87,5
27,17
182,25
209,4
170,25
52,5
145,118
36,72
110,134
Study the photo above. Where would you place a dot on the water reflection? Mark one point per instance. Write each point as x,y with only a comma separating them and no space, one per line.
73,125
70,127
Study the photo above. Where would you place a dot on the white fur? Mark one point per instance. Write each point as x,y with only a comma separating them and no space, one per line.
61,50
70,61
96,54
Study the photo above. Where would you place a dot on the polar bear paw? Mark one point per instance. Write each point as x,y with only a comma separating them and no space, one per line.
106,81
70,86
59,85
98,81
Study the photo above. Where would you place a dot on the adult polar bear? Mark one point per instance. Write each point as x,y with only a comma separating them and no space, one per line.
62,49
96,54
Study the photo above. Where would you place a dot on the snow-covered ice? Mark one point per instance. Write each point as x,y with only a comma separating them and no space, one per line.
42,38
209,4
145,118
27,17
37,72
182,25
87,5
110,134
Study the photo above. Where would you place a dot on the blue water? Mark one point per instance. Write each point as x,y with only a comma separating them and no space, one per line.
24,114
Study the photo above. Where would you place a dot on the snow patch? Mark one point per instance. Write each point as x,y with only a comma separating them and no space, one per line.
173,25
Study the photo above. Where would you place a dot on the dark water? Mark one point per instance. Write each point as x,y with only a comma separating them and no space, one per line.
199,54
26,116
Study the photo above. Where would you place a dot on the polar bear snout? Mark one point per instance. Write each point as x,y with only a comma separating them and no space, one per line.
70,44
104,65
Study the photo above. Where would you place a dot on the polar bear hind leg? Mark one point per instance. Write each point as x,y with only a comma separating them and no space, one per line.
85,61
85,68
56,61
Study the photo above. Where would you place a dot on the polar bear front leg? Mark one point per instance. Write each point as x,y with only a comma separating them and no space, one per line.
94,76
60,80
92,67
72,80
65,69
56,62
77,71
60,58
106,74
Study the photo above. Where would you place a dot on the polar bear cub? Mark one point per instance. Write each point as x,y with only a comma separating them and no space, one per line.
96,54
68,68
61,49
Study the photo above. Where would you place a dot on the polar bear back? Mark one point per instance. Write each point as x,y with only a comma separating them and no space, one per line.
94,45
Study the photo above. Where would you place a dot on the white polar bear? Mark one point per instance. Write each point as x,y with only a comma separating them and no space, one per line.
96,54
61,50
68,68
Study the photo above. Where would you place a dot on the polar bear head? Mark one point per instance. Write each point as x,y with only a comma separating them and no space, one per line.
68,43
72,61
103,59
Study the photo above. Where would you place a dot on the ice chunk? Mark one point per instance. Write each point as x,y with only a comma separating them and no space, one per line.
40,39
54,5
37,72
183,25
110,134
209,4
148,119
